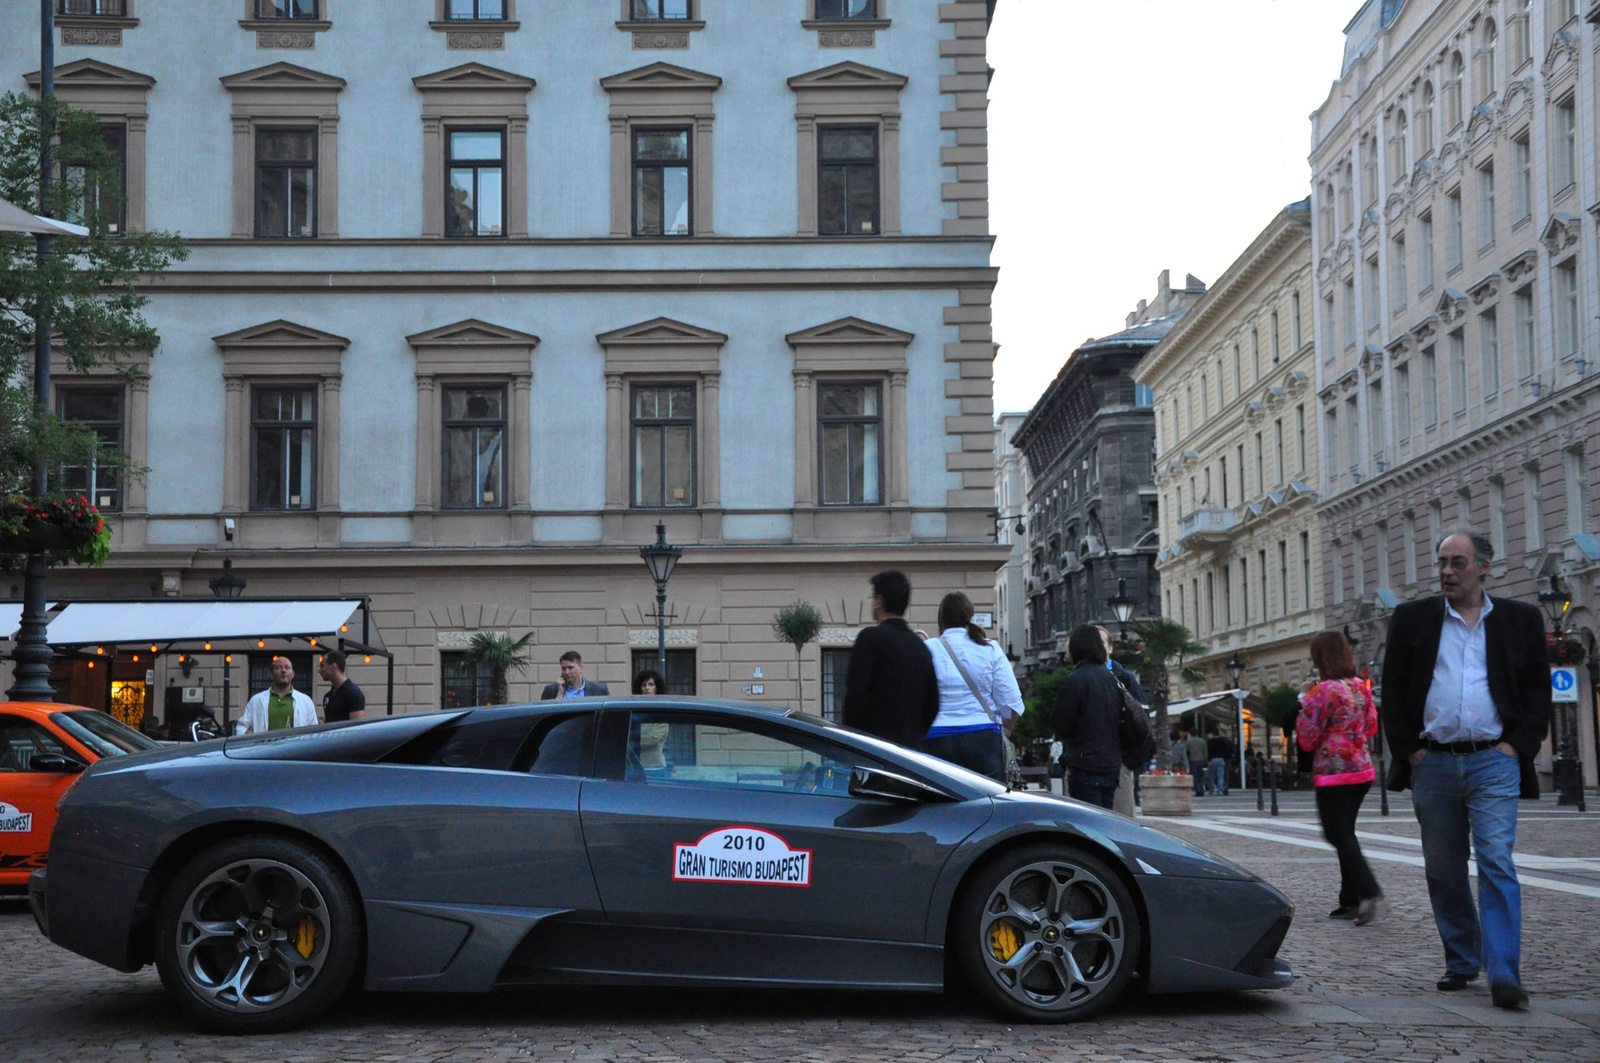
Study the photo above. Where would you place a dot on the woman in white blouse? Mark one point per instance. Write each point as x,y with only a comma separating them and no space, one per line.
978,709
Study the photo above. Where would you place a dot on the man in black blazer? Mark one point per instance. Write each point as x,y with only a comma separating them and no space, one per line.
1466,704
572,684
890,687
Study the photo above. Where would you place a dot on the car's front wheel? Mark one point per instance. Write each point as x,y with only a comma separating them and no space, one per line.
1047,934
257,935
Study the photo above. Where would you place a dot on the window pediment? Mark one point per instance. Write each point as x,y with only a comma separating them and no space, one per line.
1521,266
473,77
93,74
658,77
282,76
849,330
1561,233
473,347
849,343
662,345
472,333
280,348
1452,305
848,75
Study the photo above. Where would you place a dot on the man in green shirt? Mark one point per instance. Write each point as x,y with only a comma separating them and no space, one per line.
280,706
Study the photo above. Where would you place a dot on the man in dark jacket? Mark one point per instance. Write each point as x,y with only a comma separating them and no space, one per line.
890,687
1088,710
1220,750
1466,704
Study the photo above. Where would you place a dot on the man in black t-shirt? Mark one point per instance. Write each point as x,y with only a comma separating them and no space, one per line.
345,700
1221,751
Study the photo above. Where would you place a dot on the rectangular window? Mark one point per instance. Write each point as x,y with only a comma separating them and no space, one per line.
1489,345
1329,345
1283,578
103,204
1358,564
847,180
680,675
286,9
283,447
1402,403
1144,395
93,8
1486,205
492,10
1294,312
1397,272
850,434
1300,437
1435,523
661,181
1425,253
1337,558
1305,570
1211,602
462,683
1261,470
475,174
1430,387
1522,322
1277,345
1577,475
1277,444
1564,145
663,445
1223,464
1352,433
1244,587
1351,328
286,182
474,447
835,666
100,410
1261,558
1464,507
1458,372
1497,517
845,9
1375,421
1452,232
1522,190
1532,510
1409,528
1227,595
656,10
1380,557
1255,352
1567,322
1369,295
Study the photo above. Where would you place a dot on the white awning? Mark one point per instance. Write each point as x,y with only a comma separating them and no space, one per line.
1177,708
13,219
185,620
11,618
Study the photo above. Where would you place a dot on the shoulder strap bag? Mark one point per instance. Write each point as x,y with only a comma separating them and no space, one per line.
1013,768
1133,726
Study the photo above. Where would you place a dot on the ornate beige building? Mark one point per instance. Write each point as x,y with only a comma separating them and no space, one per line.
467,312
1457,301
1236,455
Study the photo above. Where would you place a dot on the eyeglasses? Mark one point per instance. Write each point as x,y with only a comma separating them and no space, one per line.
1458,563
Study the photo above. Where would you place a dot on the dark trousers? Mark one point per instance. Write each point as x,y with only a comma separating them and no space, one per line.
980,751
1337,807
1095,789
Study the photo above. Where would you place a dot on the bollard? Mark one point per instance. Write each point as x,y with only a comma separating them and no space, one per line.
1260,782
1274,787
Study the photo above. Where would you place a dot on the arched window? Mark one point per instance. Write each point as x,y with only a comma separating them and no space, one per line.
1483,73
1519,27
1425,121
1452,92
1397,148
1369,171
1325,217
1347,178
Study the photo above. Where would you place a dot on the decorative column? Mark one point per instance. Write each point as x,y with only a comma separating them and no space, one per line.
243,178
328,175
136,492
899,494
427,444
621,214
432,163
517,176
235,467
328,445
805,446
521,437
711,442
616,442
890,174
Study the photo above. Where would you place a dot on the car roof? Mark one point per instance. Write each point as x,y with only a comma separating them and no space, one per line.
39,710
666,701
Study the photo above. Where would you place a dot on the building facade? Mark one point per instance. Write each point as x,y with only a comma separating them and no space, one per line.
469,310
1092,508
1457,303
1011,484
1236,455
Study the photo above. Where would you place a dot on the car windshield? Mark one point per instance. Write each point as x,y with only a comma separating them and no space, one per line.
108,737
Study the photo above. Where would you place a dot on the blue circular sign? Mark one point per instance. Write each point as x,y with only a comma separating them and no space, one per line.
1561,679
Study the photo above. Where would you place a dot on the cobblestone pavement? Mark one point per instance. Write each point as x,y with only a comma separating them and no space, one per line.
1361,993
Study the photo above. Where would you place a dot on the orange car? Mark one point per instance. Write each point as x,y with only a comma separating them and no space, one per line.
42,749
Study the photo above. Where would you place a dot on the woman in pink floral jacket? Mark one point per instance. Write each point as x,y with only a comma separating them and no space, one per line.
1336,719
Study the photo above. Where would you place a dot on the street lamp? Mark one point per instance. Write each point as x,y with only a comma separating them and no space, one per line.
1236,667
1566,772
1375,675
1122,608
661,559
227,585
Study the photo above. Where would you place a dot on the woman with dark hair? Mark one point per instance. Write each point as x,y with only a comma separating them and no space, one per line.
651,749
1087,711
1337,717
649,682
979,700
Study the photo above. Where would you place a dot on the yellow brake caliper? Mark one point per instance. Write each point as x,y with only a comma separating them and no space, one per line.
305,937
1003,941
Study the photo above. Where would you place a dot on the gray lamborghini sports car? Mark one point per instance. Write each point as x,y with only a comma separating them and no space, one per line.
657,841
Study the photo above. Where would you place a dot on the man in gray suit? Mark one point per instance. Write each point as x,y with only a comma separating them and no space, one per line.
572,683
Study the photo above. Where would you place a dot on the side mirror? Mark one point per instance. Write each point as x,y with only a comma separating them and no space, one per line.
886,785
56,763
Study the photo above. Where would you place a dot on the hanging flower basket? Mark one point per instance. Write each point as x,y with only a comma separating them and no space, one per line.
65,528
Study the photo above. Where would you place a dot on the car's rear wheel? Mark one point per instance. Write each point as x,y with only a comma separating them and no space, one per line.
1047,934
257,935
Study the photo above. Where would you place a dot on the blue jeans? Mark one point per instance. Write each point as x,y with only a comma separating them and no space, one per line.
1095,789
1455,796
1198,770
1219,776
981,751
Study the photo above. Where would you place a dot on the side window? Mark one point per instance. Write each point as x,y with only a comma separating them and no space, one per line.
559,745
497,740
21,740
675,750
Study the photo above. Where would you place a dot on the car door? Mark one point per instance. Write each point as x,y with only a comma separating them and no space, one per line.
729,827
28,797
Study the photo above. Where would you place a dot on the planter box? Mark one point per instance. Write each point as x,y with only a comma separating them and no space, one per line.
1166,795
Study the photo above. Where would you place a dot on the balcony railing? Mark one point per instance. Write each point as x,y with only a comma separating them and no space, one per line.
1207,525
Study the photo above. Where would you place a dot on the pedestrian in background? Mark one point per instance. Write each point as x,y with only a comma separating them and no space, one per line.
1180,753
890,687
652,741
1466,706
573,684
278,707
1199,761
344,700
1336,718
1088,710
1220,750
979,700
1135,759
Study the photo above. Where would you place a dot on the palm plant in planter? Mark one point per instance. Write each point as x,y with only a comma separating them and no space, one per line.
500,656
1162,643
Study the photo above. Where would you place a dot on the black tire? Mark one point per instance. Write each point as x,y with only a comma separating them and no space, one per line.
1073,940
258,935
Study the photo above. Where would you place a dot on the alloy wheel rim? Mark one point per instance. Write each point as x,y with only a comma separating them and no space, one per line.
252,936
1052,935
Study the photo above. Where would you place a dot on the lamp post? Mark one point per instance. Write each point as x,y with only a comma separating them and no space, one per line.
227,585
1566,772
1375,675
661,558
1122,608
1236,667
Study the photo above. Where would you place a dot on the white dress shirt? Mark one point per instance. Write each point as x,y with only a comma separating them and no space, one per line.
990,671
1459,708
254,718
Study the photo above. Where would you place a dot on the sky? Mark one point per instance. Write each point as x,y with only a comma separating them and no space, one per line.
1131,136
